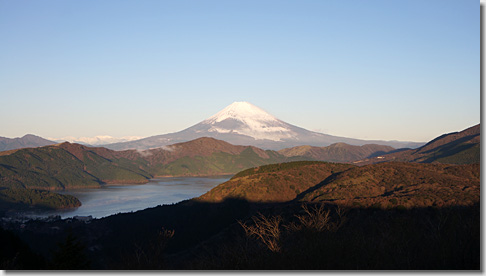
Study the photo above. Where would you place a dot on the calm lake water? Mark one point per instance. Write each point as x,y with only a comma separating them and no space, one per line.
113,199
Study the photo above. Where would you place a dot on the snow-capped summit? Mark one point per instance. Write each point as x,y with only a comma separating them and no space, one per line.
247,119
242,123
241,111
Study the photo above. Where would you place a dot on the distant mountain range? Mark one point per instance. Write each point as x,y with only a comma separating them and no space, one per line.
242,123
453,148
67,165
27,141
96,140
33,141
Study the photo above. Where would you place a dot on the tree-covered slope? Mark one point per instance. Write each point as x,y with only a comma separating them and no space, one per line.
216,163
394,183
338,152
386,184
65,166
274,183
19,198
453,148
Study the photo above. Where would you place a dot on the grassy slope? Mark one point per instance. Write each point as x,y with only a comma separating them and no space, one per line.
407,184
386,184
274,183
454,148
458,154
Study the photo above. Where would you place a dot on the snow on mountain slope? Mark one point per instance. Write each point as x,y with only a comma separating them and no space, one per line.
242,123
247,119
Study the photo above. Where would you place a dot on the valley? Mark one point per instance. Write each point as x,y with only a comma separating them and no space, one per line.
310,197
427,218
233,136
73,166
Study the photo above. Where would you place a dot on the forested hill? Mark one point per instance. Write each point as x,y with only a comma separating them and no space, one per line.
453,148
338,152
66,165
388,184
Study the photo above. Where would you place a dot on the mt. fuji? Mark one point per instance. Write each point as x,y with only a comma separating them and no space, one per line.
242,123
246,119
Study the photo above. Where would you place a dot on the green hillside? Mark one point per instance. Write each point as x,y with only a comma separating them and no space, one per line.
56,168
46,168
338,152
69,166
216,163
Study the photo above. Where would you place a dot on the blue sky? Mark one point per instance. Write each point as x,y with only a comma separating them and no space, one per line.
391,70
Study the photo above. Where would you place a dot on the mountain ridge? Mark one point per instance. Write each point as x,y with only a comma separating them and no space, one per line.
461,147
26,141
338,152
384,185
242,123
71,165
96,140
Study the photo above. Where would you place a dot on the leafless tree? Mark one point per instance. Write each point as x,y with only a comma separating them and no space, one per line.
266,229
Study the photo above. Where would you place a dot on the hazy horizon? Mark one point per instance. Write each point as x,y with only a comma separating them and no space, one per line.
374,70
106,139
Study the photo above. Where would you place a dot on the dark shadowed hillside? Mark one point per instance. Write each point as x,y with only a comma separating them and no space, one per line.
296,215
237,234
24,199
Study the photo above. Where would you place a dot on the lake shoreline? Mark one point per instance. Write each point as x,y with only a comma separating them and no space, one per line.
194,176
127,183
110,199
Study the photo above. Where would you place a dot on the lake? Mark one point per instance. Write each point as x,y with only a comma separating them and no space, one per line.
113,199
